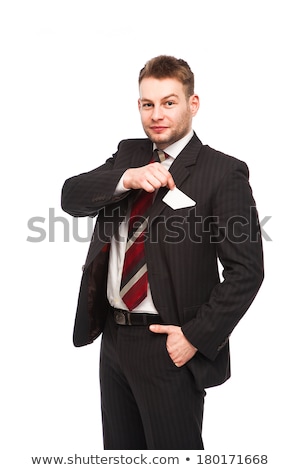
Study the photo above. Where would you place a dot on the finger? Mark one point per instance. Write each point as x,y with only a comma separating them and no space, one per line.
147,178
163,175
147,186
157,180
150,178
166,180
162,329
171,183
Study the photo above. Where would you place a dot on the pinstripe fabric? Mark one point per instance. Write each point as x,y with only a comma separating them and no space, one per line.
147,402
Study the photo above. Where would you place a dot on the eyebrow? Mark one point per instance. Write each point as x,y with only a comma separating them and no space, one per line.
164,98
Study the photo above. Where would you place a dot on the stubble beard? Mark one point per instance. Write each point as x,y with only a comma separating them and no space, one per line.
162,141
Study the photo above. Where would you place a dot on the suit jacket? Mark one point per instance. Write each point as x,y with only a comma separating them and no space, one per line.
182,249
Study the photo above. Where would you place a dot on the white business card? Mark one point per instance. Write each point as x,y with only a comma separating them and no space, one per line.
177,199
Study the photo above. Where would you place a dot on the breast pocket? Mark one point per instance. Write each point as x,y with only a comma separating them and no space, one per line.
185,223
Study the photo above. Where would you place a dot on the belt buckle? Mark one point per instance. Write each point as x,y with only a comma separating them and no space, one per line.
120,317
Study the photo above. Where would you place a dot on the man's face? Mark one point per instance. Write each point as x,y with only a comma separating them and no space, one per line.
166,112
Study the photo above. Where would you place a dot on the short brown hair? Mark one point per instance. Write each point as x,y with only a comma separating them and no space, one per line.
165,66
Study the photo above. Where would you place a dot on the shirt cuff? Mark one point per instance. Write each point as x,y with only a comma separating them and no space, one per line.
120,187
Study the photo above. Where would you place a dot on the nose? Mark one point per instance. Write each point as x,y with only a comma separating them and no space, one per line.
157,113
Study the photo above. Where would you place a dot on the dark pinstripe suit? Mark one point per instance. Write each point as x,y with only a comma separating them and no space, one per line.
181,251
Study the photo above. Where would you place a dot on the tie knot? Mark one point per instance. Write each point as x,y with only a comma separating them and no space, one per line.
161,155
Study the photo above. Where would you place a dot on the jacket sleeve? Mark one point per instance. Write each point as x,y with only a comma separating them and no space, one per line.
237,238
85,194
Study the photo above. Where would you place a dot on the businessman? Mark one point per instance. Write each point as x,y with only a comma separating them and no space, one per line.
168,208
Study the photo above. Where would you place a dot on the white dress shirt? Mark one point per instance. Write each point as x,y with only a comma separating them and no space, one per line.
118,242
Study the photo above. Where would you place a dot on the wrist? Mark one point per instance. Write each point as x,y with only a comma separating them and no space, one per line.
126,179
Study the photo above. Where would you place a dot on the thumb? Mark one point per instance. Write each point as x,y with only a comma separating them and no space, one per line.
165,329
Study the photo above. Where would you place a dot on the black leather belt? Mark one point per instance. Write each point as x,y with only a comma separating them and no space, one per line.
123,317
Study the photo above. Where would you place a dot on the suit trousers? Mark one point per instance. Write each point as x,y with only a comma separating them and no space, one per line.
147,402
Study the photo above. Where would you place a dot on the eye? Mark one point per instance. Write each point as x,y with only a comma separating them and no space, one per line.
169,103
147,105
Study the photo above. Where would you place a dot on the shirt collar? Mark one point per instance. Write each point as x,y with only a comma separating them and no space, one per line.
174,149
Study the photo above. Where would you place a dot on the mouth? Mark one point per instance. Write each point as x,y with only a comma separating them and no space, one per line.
158,129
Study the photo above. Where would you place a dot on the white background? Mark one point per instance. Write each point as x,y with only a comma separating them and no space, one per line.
68,95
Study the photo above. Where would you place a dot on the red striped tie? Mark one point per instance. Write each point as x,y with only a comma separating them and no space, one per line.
134,282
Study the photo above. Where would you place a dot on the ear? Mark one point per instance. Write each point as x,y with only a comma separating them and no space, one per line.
194,102
139,104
